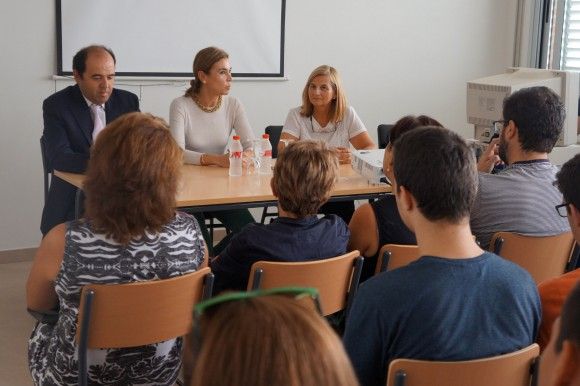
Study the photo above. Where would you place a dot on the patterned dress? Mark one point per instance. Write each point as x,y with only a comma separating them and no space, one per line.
94,258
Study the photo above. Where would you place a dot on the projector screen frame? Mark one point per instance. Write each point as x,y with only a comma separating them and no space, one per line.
175,75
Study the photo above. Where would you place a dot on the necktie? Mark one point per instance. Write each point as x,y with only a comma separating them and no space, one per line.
98,119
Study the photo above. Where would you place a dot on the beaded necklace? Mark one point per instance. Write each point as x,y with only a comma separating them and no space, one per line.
205,108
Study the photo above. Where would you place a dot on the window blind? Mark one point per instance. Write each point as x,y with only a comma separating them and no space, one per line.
570,56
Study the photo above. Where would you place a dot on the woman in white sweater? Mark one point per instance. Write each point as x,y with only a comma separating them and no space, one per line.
202,121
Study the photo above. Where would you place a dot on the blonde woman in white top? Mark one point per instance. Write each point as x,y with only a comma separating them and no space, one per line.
202,121
325,116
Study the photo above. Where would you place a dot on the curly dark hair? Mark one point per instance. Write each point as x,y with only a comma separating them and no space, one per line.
539,115
567,181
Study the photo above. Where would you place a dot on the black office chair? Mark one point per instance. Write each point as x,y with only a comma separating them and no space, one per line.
274,132
47,170
383,132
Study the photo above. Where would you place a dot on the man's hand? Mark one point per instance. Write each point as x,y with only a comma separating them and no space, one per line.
490,157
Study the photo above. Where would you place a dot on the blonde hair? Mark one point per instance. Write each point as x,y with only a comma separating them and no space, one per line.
203,61
132,177
304,176
276,341
338,105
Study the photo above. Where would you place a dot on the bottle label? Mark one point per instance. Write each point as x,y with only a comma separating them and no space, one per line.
267,153
236,154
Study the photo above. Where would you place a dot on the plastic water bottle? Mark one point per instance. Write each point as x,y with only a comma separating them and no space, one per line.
236,150
266,155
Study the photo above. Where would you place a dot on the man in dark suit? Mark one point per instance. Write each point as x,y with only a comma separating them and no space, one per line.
73,117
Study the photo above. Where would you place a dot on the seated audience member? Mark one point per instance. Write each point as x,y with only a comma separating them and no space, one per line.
560,362
378,223
521,197
73,117
456,302
554,291
131,233
326,116
304,176
276,341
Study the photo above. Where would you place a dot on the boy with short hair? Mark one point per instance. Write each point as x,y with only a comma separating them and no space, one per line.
304,175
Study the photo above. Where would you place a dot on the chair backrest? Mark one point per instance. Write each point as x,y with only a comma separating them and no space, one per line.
47,170
336,278
543,257
383,132
513,369
140,313
274,133
393,256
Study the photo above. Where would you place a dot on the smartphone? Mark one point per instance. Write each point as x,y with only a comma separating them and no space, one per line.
494,133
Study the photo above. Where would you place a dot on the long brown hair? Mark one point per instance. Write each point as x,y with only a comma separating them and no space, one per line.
131,180
203,61
276,341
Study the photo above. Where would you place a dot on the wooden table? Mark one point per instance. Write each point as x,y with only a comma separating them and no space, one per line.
211,188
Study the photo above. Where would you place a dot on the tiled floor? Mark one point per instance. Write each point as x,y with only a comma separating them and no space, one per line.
15,325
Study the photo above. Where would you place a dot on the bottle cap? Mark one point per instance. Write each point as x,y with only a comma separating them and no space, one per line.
236,137
265,136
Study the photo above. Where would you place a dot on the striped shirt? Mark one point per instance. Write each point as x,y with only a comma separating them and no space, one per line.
520,199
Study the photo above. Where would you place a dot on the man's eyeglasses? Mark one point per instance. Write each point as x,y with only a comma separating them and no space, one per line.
562,209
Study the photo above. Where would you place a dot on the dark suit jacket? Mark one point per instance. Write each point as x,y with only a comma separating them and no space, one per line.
68,131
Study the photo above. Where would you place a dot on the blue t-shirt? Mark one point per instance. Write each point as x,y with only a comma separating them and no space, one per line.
441,309
284,239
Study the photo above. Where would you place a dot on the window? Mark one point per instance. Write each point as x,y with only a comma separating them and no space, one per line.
562,35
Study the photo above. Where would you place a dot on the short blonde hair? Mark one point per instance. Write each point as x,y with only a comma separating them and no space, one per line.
276,341
338,105
132,177
304,176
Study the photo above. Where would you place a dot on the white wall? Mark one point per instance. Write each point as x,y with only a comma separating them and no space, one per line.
395,58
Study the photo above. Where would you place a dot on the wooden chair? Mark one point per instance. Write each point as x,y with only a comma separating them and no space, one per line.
137,314
514,369
543,257
393,256
336,278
